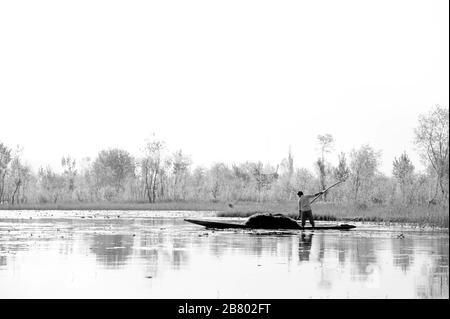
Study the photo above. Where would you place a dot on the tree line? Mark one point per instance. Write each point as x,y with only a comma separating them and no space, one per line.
161,175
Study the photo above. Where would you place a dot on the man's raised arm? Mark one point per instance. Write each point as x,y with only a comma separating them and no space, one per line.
316,194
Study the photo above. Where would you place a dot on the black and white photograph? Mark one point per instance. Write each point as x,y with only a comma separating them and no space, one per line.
240,150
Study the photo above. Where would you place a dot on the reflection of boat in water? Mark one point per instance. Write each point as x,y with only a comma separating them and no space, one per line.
295,225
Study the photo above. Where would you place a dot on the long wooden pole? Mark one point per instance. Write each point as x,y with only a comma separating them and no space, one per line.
325,191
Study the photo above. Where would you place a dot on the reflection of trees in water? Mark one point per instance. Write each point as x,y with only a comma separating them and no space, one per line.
166,248
440,248
322,248
304,246
150,242
160,222
3,250
12,247
363,256
257,244
3,260
179,258
433,287
170,247
153,235
435,280
103,246
156,242
65,247
288,248
178,255
358,253
326,274
340,246
403,253
217,244
260,244
324,282
36,234
150,245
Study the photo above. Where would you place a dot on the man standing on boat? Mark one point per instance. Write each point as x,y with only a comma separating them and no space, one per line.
304,207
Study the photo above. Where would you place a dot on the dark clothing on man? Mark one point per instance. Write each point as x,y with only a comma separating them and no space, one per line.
307,215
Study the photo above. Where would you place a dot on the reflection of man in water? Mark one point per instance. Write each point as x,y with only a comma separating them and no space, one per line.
304,247
304,207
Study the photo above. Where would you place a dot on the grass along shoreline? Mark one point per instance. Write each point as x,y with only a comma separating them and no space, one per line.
385,215
422,215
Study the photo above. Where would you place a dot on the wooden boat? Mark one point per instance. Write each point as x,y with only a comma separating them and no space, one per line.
219,225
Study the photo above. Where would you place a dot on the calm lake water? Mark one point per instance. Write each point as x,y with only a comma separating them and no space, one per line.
116,254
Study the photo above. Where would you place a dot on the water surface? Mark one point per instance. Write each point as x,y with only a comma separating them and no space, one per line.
116,254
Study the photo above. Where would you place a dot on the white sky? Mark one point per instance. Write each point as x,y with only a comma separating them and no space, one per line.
229,81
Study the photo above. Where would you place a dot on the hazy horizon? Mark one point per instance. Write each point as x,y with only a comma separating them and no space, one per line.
223,81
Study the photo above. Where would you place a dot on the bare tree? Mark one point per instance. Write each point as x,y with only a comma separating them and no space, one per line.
19,175
262,179
152,168
304,180
363,168
51,183
432,141
342,171
198,183
5,159
217,179
180,170
287,168
69,172
326,143
403,170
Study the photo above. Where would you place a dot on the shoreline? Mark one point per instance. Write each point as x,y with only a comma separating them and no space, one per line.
422,216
